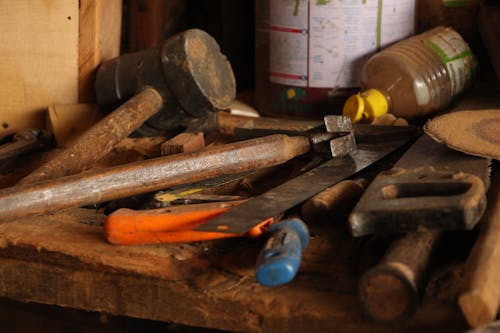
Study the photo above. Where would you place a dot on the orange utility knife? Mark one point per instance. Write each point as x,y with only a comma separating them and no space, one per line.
171,225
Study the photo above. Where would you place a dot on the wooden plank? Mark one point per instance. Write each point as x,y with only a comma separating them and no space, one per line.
185,142
99,40
489,29
480,296
147,19
54,259
38,60
460,15
61,238
68,121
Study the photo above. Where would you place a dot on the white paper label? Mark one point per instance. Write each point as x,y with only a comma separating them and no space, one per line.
323,43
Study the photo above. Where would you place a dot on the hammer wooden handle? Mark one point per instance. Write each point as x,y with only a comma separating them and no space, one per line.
390,291
147,176
96,142
480,297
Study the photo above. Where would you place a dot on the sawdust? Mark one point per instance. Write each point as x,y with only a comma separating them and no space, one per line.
474,132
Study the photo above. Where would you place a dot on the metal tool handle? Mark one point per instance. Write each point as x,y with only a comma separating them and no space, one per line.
280,258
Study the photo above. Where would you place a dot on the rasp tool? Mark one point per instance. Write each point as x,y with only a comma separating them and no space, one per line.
274,202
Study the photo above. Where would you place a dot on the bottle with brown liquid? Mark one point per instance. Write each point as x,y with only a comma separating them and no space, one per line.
308,53
414,77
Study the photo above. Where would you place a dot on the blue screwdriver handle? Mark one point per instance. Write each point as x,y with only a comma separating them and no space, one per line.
279,260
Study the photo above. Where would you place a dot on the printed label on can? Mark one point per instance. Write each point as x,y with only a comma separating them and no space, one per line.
457,3
323,43
456,56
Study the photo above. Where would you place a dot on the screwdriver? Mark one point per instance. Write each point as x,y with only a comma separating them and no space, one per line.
279,260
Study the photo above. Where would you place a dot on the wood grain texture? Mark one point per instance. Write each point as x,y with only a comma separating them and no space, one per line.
480,298
185,142
56,260
68,121
38,60
336,200
147,20
489,28
99,40
99,139
36,194
391,290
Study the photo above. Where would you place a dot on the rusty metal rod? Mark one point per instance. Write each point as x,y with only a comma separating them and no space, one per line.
147,176
100,139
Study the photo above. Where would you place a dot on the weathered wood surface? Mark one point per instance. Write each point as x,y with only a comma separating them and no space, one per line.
55,259
38,60
98,41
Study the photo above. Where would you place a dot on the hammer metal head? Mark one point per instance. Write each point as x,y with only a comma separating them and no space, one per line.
188,70
336,136
197,72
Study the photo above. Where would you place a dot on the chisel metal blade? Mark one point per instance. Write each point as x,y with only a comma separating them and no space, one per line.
285,196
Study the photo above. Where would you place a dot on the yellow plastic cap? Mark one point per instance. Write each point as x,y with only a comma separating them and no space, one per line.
365,106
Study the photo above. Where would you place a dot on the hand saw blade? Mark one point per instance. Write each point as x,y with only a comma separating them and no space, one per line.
430,186
427,152
285,196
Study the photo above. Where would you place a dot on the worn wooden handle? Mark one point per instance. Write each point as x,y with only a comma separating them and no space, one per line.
480,298
390,291
334,201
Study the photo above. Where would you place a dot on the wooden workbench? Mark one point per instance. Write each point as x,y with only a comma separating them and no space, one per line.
55,259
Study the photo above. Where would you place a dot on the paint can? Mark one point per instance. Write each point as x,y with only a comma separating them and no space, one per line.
308,53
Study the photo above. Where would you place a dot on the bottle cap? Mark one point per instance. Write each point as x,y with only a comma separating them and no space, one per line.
365,106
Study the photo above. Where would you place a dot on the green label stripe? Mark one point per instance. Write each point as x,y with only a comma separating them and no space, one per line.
445,58
464,54
456,3
379,23
296,8
438,50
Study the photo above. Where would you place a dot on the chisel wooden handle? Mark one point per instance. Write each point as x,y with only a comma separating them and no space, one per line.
390,291
147,176
480,297
334,201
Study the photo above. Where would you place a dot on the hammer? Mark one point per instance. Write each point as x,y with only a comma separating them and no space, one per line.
186,78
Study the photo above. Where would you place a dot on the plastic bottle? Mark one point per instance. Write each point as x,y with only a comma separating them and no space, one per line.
414,77
308,53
